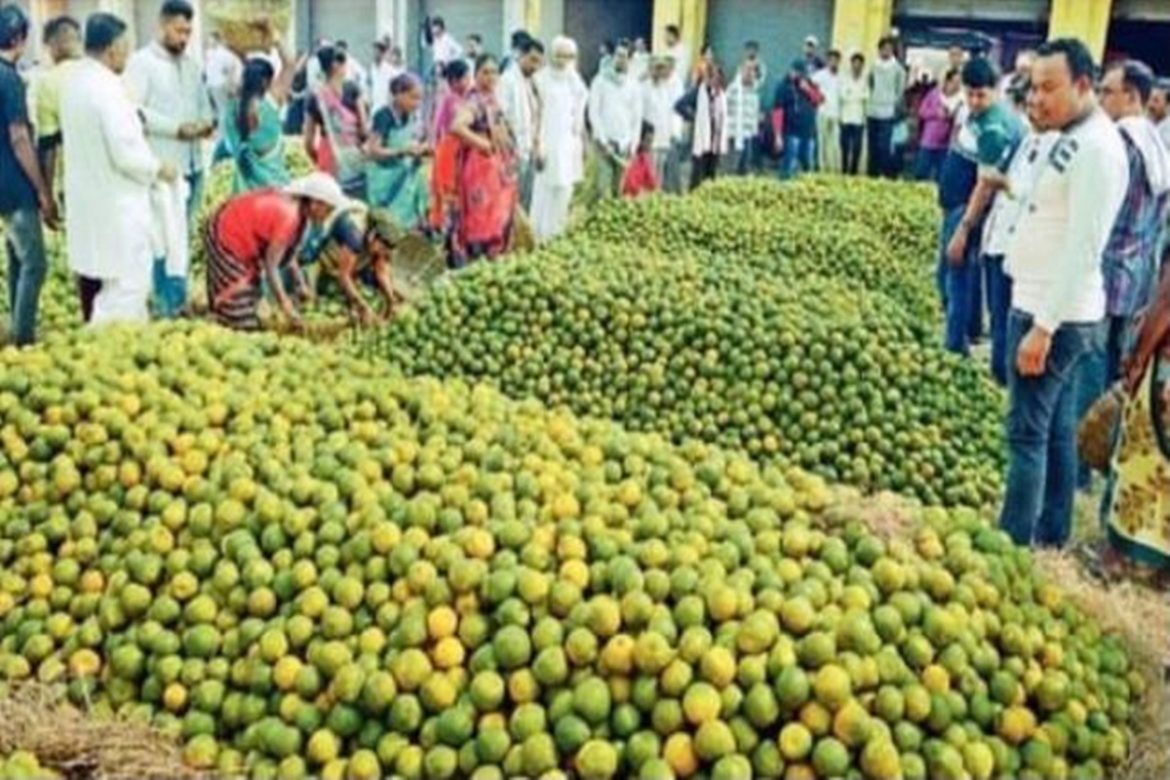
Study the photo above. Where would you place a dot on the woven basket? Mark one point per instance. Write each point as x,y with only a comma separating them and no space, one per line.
249,25
1097,431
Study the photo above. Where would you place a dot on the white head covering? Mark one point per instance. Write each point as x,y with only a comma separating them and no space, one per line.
319,186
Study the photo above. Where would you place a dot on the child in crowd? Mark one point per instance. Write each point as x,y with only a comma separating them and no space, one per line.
640,177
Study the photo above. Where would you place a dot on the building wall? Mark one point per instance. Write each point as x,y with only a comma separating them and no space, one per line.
780,29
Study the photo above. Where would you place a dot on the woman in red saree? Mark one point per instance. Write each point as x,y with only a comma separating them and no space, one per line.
486,174
444,187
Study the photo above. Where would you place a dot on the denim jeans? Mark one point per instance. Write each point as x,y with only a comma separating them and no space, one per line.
1042,434
928,164
170,292
960,285
999,303
25,242
799,153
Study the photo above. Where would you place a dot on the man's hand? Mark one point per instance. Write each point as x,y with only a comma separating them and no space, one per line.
779,145
48,208
1032,358
957,246
168,173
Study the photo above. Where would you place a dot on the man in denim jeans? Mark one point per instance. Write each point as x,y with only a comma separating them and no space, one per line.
1058,292
24,197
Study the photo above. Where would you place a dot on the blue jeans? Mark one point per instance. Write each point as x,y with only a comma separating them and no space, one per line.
960,286
25,241
999,303
170,292
928,164
799,153
1042,434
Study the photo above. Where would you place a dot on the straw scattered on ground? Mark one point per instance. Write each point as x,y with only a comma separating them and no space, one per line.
79,746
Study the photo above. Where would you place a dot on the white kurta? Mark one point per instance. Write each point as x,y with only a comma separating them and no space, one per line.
170,91
109,168
562,98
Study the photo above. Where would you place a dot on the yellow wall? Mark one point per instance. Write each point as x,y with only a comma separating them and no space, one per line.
858,25
1084,19
689,15
532,16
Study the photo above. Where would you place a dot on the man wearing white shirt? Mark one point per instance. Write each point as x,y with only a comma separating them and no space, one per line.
444,48
109,170
517,98
615,114
828,81
1054,259
560,139
382,72
679,52
167,84
1160,110
659,95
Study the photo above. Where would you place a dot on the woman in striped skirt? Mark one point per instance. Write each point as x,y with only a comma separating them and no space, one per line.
254,237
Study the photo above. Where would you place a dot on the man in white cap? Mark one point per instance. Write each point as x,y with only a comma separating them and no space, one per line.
812,54
559,148
254,237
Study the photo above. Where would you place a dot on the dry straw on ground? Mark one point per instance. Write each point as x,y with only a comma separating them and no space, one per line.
78,746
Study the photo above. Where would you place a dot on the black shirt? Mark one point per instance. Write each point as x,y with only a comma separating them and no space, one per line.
800,114
16,191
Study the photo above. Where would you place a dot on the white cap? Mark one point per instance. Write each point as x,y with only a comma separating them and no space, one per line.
811,39
319,186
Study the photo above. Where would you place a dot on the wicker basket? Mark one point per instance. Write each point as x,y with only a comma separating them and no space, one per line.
249,25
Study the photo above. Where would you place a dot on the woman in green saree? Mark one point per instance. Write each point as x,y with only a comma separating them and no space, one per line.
255,135
395,179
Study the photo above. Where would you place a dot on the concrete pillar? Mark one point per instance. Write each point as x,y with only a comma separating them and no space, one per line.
1084,19
858,25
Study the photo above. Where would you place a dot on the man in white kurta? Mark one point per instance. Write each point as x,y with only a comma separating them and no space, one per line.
560,139
518,102
615,116
109,169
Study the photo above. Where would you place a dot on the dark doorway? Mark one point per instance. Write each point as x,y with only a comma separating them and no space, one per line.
1140,40
592,22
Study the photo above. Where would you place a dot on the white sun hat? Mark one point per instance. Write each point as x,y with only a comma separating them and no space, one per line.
319,186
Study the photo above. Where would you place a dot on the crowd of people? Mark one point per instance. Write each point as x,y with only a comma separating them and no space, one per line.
1053,185
1054,198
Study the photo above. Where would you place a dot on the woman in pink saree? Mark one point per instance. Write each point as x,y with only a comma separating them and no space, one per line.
487,183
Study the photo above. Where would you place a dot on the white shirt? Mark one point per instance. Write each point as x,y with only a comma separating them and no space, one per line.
169,90
380,77
615,110
563,97
658,101
109,168
1164,131
854,95
1027,163
682,62
445,49
1054,256
356,73
518,102
223,72
829,83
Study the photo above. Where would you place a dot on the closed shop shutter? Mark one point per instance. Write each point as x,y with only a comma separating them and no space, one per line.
780,29
352,21
985,10
464,17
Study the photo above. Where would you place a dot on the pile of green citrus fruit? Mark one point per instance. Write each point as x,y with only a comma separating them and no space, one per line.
810,372
304,567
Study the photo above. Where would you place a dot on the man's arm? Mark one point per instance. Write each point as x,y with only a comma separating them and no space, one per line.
137,78
994,146
1089,226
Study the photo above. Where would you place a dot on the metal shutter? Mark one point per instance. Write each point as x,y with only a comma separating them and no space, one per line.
352,21
997,10
780,29
464,17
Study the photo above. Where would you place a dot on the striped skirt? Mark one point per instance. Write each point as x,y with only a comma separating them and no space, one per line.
233,285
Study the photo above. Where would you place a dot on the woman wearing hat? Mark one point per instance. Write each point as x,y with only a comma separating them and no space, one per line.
254,237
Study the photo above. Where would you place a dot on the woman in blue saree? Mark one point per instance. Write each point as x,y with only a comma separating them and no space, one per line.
255,136
395,179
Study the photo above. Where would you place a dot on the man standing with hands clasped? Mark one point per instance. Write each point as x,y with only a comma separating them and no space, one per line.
1058,295
166,82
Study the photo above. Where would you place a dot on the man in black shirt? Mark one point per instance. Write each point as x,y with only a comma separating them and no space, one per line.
794,120
24,196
